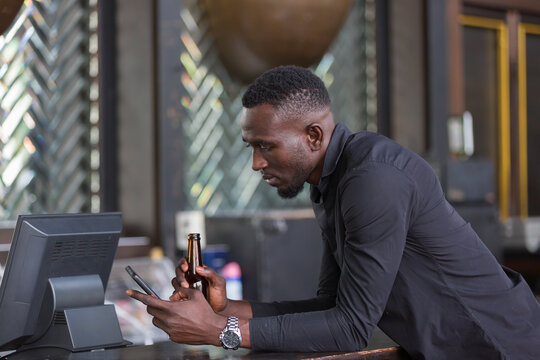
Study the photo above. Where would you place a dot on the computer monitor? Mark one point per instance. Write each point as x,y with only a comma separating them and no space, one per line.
53,288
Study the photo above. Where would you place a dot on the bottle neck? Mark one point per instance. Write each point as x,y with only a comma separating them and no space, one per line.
194,256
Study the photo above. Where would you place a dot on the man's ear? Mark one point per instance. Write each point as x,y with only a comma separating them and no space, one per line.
315,135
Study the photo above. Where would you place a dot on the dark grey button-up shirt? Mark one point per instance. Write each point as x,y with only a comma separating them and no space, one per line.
397,255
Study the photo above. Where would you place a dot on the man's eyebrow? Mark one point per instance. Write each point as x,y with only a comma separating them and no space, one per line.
257,142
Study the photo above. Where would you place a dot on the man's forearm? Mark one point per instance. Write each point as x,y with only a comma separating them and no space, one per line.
322,302
239,308
244,330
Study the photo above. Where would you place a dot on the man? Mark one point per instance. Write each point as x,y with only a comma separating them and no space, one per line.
396,254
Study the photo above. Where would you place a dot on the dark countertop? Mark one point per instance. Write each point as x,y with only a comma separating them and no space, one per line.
174,351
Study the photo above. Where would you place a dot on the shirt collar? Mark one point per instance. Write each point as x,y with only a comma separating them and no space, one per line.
335,148
337,143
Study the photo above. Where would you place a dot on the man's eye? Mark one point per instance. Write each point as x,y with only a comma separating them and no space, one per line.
261,147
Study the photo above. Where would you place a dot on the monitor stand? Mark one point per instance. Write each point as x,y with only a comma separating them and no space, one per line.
74,317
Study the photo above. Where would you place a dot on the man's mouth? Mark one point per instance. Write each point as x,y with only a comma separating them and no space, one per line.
270,179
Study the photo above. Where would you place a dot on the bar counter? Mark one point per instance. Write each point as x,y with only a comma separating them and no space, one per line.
174,351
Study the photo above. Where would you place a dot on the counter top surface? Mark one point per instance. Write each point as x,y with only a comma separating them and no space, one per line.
173,351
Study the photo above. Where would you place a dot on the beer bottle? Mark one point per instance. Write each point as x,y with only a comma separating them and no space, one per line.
194,259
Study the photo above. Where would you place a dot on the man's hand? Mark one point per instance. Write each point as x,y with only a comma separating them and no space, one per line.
216,293
187,318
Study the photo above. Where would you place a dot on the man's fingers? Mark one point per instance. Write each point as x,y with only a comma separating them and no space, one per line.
178,296
183,265
179,283
180,276
160,313
147,300
205,272
175,284
186,294
209,274
158,323
179,272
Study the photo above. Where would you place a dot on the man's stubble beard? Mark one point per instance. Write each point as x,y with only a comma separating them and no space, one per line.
304,171
290,192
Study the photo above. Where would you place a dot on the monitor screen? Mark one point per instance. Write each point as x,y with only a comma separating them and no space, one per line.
52,292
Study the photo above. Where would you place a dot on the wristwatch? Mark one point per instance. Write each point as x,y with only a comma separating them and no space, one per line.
230,336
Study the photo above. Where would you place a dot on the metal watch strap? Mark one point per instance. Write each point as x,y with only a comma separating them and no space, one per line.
232,323
232,326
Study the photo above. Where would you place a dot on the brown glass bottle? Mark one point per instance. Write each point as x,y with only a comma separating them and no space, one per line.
194,259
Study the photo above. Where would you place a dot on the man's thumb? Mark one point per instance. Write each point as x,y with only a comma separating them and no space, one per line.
204,271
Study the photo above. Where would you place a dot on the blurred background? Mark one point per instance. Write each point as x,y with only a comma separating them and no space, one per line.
134,106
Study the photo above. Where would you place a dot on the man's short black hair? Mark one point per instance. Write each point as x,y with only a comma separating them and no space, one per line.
291,88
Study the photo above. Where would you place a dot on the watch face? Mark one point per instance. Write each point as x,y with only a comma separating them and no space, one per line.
230,339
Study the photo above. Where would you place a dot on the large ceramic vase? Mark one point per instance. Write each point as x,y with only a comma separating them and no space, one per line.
252,36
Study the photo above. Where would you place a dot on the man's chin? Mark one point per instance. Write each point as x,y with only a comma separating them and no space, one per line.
290,192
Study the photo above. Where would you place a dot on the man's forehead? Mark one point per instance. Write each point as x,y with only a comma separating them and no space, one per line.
259,136
264,115
261,132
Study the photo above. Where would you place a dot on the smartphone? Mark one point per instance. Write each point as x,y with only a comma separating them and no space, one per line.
143,284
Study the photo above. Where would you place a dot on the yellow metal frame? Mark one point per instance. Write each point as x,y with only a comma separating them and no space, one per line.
504,103
523,30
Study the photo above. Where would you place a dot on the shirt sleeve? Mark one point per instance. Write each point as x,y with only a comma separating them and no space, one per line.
375,205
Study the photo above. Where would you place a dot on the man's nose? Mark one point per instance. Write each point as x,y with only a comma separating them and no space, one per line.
259,162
